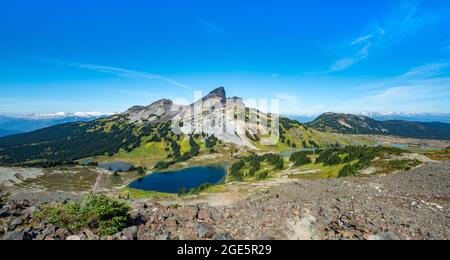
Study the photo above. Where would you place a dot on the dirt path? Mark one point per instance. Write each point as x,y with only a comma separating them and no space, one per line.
235,192
406,205
99,183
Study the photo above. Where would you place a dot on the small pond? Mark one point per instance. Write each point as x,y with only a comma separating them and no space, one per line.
289,152
422,147
174,181
401,146
116,166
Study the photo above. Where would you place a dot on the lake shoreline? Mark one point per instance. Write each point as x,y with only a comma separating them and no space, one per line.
185,178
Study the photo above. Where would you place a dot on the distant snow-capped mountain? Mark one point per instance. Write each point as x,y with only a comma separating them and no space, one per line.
66,115
32,122
419,117
405,116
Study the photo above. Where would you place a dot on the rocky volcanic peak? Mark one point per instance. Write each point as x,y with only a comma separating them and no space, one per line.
134,109
218,92
161,105
211,115
165,109
207,115
216,99
159,110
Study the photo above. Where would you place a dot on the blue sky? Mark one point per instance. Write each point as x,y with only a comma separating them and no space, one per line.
315,56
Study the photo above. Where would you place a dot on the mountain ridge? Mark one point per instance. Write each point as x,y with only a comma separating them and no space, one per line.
169,131
4,132
32,122
173,131
359,124
404,116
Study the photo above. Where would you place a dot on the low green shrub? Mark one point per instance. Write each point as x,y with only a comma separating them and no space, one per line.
161,165
400,165
4,194
194,191
300,159
348,170
262,175
100,214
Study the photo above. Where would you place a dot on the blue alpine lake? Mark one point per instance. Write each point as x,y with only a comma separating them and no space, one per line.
116,166
174,181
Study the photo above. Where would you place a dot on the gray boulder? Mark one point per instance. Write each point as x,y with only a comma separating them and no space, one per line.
204,230
130,233
4,213
388,236
17,235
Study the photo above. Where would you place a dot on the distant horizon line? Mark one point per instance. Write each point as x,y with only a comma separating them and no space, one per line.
110,113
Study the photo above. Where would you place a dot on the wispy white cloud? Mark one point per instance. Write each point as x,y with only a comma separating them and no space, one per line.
421,89
345,63
294,105
342,64
424,88
431,72
212,29
362,39
127,73
358,54
418,97
288,103
384,33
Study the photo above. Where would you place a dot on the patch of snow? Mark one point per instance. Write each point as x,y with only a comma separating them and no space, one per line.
302,229
10,176
343,123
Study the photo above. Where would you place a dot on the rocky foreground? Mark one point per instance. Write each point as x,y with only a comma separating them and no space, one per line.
408,205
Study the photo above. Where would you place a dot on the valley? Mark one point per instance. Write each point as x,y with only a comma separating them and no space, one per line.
405,204
357,124
75,181
204,171
225,120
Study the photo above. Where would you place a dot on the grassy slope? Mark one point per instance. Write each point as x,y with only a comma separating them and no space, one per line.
140,194
380,165
324,172
443,155
265,167
146,155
